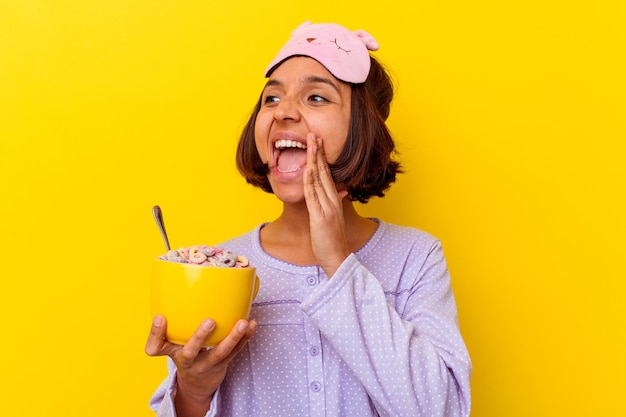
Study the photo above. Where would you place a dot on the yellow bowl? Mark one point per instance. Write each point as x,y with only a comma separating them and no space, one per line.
186,294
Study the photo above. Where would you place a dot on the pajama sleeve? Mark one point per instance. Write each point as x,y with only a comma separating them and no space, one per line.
409,355
162,401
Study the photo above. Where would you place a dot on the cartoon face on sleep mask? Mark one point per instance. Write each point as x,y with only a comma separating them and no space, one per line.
344,53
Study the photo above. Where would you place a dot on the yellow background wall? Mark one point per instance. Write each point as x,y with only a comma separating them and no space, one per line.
509,117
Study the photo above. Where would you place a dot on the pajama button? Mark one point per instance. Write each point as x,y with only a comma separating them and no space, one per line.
314,351
316,386
311,280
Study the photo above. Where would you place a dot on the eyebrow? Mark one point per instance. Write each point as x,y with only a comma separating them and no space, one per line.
313,79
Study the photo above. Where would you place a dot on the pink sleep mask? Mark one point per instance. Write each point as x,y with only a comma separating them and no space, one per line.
343,53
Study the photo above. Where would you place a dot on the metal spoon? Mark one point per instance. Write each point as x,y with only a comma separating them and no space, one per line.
158,217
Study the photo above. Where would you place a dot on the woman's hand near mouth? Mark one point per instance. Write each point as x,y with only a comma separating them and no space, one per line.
325,205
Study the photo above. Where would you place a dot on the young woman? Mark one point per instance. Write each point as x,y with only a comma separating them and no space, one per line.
355,316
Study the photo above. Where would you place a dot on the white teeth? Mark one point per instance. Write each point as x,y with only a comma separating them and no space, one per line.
286,143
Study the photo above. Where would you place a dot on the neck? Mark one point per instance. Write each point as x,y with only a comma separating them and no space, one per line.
295,218
289,236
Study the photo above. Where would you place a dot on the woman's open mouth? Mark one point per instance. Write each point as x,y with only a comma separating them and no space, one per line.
289,155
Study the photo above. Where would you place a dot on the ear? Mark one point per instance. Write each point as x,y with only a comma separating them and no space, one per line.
367,39
302,27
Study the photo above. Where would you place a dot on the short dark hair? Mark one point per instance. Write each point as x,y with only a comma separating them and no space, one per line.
365,165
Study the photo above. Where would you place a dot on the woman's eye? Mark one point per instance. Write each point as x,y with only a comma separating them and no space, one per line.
317,98
270,99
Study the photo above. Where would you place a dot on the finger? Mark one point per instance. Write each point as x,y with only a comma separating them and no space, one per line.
320,189
235,340
196,342
157,345
317,165
316,161
252,326
312,155
325,177
311,175
322,163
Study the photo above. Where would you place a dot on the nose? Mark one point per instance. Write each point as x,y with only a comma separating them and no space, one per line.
287,110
